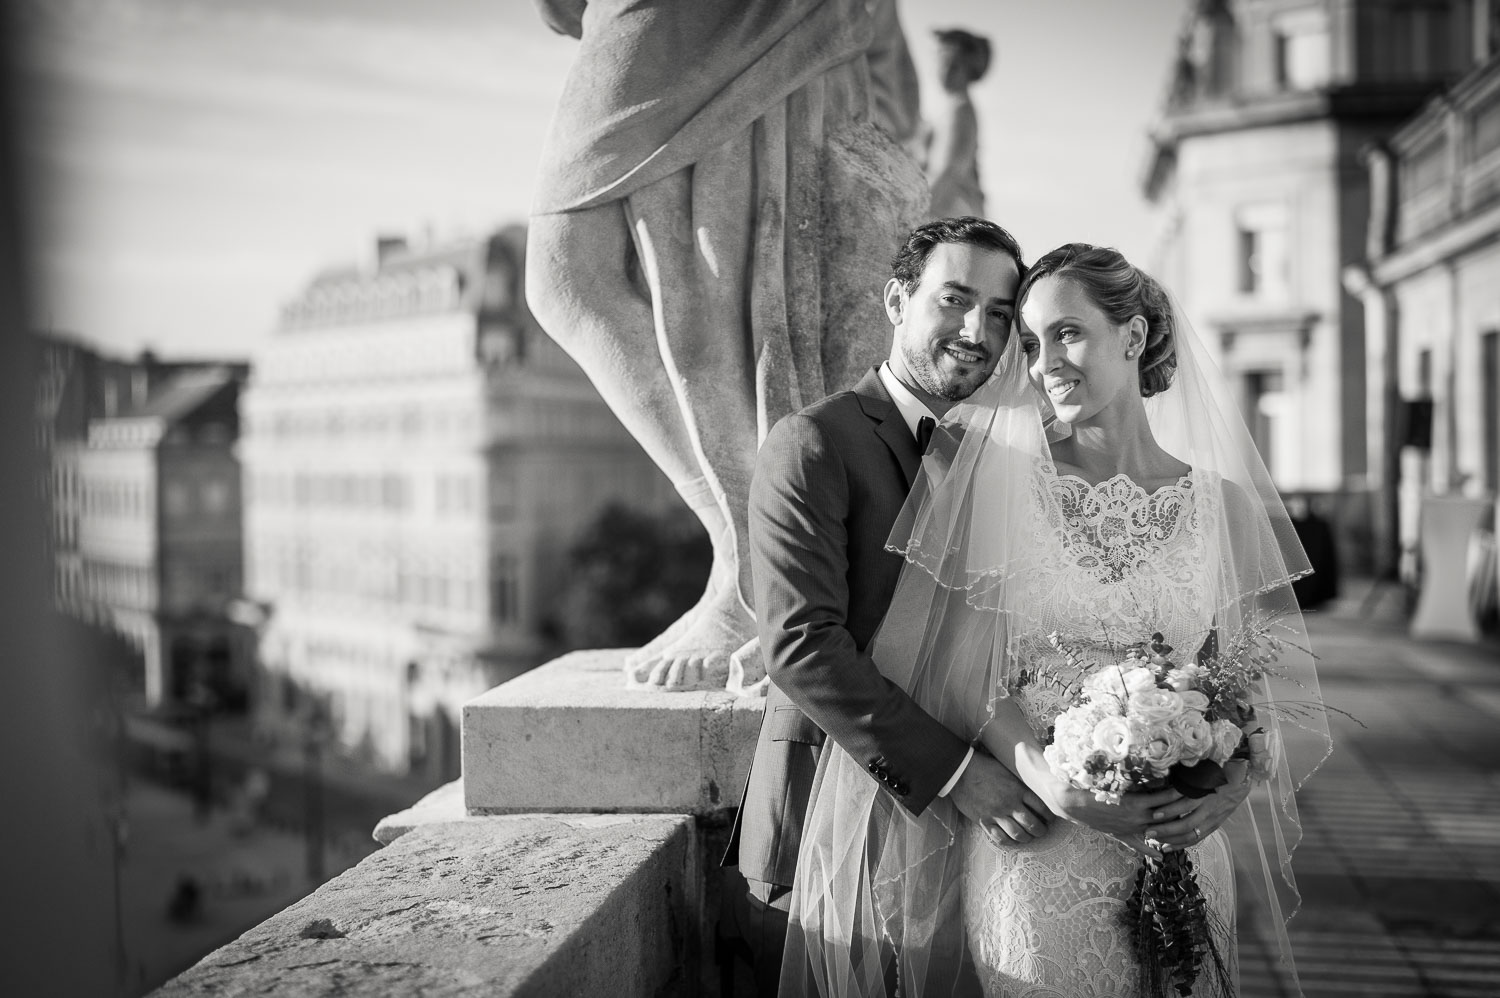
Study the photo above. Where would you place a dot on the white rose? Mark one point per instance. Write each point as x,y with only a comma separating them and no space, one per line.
1161,749
1193,700
1106,681
1155,706
1227,737
1139,680
1073,727
1196,734
1184,677
1112,737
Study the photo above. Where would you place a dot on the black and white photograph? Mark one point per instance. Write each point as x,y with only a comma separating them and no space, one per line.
730,498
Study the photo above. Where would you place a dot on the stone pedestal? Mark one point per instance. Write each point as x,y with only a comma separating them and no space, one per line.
568,736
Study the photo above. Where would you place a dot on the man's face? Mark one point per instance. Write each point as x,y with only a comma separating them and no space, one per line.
951,328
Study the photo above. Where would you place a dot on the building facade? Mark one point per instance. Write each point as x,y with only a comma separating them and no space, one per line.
1263,200
147,533
419,456
1432,286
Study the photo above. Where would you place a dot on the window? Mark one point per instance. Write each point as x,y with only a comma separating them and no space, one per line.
1486,127
1249,261
1422,40
502,496
1261,251
1426,168
505,597
1263,397
393,492
1303,50
463,493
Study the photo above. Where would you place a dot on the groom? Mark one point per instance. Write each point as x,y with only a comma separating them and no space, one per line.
829,483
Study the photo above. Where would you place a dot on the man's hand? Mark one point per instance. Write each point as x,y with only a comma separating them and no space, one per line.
998,802
1189,821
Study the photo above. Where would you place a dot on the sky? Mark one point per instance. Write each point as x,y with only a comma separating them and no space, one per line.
193,163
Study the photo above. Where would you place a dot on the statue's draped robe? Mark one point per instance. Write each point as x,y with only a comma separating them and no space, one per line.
704,120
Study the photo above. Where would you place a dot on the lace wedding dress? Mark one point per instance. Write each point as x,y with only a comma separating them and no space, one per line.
1045,920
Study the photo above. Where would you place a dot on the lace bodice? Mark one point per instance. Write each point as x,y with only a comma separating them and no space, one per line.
1118,563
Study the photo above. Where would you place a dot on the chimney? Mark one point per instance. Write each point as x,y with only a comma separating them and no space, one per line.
387,247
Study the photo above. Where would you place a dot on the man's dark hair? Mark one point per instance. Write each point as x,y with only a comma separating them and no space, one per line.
911,259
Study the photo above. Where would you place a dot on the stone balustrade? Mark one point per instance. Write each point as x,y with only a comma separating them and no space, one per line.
500,885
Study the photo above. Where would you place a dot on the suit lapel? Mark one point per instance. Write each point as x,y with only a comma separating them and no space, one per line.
889,426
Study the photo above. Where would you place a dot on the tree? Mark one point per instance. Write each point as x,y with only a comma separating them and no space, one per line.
630,575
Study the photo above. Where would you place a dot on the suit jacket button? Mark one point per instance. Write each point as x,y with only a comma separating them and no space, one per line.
900,789
874,767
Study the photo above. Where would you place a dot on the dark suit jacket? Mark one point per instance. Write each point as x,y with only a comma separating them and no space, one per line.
829,483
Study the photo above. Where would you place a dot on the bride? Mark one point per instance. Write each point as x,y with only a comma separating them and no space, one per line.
1143,507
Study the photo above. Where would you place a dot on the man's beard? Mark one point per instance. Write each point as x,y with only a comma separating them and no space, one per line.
924,369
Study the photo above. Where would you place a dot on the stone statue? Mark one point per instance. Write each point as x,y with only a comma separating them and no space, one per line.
712,224
953,153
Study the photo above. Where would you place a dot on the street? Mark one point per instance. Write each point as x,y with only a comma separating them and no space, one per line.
1399,867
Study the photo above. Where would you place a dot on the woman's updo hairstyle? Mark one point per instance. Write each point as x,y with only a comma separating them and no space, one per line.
1120,290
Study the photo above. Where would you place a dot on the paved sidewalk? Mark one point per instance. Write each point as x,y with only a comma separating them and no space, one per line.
1400,863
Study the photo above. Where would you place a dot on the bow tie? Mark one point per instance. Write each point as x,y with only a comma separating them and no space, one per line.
925,426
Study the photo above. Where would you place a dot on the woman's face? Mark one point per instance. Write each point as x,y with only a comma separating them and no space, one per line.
1076,355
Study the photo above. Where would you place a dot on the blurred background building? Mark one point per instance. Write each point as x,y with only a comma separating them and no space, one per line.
419,457
1432,298
1257,172
144,491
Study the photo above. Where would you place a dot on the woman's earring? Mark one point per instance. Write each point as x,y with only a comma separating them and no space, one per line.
1130,355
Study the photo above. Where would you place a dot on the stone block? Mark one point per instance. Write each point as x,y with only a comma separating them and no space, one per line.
568,736
527,905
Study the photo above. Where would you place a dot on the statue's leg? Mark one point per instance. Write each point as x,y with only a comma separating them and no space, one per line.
694,232
579,286
586,285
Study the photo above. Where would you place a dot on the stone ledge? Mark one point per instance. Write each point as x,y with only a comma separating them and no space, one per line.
568,736
524,905
444,804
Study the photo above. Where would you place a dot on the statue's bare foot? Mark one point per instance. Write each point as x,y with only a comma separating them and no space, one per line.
697,655
747,671
653,648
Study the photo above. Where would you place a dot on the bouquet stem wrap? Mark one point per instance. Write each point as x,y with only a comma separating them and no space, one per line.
1172,928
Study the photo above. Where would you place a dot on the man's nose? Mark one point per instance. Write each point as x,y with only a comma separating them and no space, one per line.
981,329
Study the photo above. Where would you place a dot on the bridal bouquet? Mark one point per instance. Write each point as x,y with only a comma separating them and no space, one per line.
1149,722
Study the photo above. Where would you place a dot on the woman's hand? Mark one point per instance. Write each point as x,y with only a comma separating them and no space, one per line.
1188,821
1009,738
1130,820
